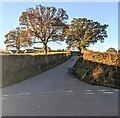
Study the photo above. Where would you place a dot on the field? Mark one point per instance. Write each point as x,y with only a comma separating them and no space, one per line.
38,53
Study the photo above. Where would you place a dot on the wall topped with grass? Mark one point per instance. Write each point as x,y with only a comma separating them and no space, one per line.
16,68
108,58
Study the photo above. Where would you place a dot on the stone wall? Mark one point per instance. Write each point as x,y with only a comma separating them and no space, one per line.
17,68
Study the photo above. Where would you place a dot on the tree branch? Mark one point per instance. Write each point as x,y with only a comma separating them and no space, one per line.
50,34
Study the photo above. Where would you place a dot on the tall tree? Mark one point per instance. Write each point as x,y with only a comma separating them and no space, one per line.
45,23
82,32
18,38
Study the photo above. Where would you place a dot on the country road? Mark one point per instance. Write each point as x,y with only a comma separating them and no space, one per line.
57,93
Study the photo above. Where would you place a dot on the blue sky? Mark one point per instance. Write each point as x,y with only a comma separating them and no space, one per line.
105,13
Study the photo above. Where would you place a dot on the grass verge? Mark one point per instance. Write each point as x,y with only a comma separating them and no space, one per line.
97,73
20,78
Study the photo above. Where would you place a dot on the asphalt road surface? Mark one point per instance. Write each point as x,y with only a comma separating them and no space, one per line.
57,93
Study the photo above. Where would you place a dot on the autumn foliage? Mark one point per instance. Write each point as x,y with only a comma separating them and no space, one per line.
99,68
109,58
45,23
82,32
18,38
97,73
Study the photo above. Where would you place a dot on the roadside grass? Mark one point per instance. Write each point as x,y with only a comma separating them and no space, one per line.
19,71
97,73
46,67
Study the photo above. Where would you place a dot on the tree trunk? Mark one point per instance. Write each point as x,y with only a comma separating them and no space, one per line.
81,53
79,49
45,48
17,50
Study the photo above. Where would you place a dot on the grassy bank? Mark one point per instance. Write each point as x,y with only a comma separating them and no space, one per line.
16,68
97,73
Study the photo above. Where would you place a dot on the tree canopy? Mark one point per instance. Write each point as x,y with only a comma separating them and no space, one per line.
17,38
82,32
111,50
46,24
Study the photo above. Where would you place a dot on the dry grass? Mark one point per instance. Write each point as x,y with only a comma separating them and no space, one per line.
98,73
39,53
108,58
